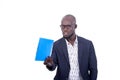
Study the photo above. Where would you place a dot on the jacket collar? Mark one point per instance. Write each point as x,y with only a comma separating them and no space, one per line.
65,52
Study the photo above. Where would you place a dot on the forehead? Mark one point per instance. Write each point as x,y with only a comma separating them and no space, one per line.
67,21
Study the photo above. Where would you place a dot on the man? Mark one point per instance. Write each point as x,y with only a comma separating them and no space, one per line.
73,56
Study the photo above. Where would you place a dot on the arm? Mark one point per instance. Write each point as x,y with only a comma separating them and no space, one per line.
51,62
92,63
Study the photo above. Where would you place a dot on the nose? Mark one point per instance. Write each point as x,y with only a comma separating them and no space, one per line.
65,30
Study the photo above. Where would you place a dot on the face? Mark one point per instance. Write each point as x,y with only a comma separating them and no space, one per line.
67,27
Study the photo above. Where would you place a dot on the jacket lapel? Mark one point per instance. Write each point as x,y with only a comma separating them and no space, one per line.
79,51
65,51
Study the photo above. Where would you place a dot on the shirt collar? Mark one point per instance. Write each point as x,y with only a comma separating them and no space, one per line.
75,42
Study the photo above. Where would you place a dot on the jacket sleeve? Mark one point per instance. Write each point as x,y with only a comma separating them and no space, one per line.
92,63
54,57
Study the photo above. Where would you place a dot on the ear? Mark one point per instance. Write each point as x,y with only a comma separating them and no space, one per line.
75,25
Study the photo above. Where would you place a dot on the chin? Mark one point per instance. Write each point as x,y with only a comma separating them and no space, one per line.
66,37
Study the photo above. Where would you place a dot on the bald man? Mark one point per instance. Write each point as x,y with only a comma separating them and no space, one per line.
73,55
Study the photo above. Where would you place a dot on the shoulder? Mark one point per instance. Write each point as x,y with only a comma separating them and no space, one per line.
59,42
84,40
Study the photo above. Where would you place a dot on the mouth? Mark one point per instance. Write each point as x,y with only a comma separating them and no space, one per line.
65,33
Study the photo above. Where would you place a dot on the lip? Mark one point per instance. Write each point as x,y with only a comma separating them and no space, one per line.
65,33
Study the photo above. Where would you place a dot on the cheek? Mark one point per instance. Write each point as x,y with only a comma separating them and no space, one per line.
71,31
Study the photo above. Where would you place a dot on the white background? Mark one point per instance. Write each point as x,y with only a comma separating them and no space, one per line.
23,22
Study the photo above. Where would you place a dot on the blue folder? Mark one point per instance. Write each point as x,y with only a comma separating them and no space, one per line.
44,49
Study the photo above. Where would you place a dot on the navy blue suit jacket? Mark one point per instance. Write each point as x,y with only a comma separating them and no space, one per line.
86,58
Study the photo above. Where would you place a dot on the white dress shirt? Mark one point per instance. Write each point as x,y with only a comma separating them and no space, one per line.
73,59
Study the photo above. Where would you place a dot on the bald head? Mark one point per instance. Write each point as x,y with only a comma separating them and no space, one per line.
69,18
68,26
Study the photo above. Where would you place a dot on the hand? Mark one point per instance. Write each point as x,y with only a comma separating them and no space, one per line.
48,61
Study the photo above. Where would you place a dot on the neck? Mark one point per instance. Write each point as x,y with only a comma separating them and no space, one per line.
72,39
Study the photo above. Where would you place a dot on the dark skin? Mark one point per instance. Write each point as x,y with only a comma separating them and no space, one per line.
68,26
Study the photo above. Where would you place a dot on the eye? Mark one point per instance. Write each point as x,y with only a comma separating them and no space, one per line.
65,26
